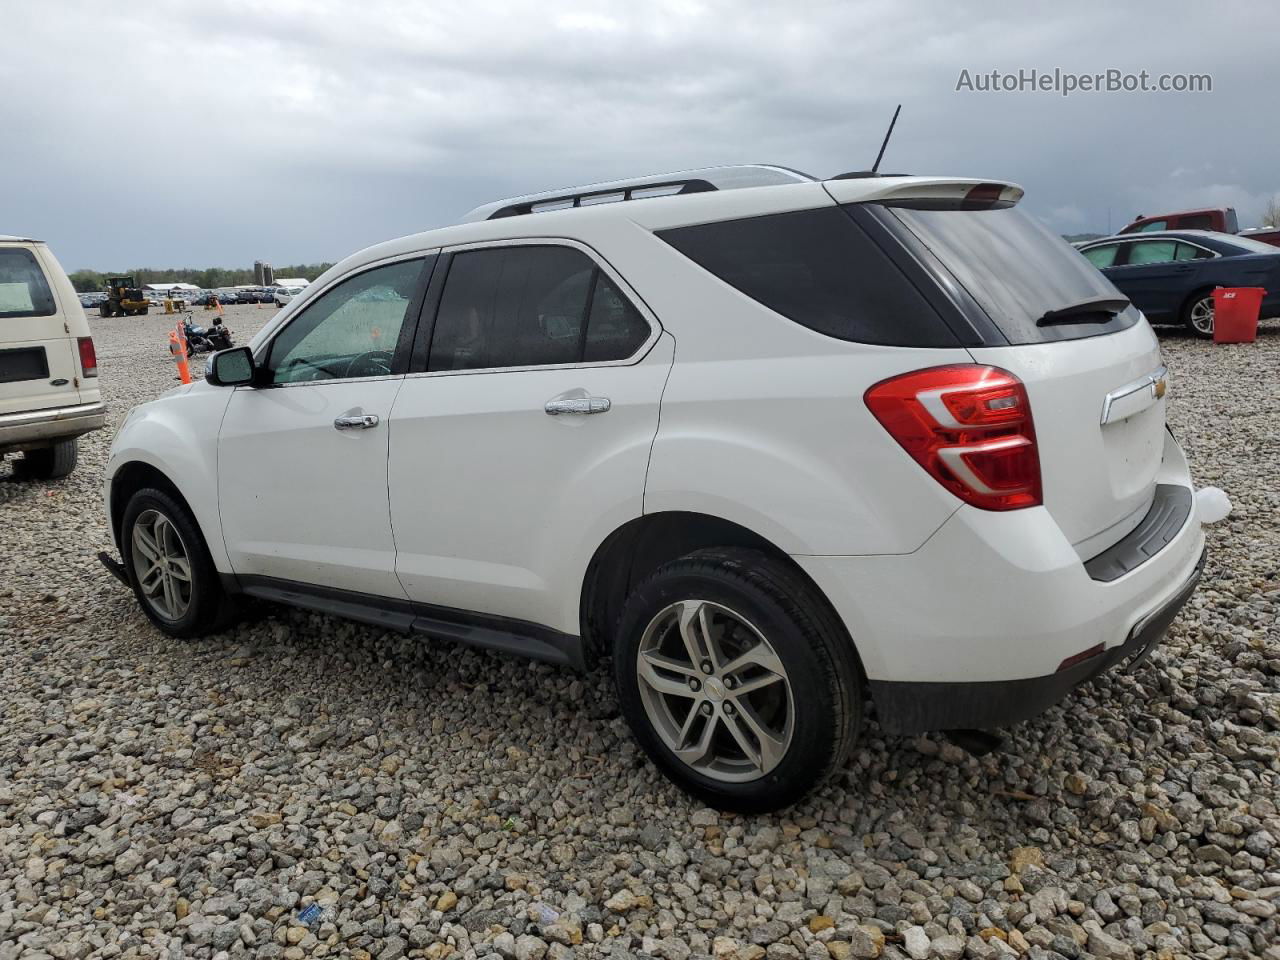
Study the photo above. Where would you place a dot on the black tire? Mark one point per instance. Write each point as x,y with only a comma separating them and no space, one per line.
144,311
50,463
209,608
1190,313
104,309
819,660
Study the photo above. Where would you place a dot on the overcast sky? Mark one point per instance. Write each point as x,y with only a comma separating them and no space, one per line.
217,132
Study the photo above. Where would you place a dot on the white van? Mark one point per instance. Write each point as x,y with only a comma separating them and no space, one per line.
49,391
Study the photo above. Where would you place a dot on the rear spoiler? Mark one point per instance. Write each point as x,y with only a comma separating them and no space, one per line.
937,192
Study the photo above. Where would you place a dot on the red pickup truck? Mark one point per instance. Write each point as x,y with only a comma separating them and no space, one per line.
1219,219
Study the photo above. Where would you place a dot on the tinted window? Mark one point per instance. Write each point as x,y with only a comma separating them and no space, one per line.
1015,268
1186,251
1151,251
1198,221
820,269
350,330
1103,256
24,292
530,306
615,329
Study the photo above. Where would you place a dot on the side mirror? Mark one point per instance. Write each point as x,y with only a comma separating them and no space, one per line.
230,368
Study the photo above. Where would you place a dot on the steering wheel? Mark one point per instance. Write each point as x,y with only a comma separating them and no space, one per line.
371,363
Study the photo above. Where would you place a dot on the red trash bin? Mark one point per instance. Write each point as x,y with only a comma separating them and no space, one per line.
1235,314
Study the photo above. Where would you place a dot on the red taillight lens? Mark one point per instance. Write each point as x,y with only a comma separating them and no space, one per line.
88,357
970,426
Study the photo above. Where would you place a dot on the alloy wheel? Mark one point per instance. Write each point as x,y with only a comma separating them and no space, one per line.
162,565
1202,316
715,691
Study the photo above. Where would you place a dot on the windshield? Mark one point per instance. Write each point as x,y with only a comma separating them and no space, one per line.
1016,269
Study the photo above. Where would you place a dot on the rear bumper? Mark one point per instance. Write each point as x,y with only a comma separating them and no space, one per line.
56,423
994,603
907,707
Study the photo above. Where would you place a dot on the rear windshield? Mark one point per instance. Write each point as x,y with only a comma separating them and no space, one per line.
24,292
1016,269
1249,245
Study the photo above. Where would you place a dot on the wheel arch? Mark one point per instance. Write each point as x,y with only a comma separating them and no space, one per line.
137,475
1192,297
634,550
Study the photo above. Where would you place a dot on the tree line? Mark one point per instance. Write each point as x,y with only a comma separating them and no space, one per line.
210,278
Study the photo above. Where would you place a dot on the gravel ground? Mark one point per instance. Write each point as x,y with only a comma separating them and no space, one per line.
303,786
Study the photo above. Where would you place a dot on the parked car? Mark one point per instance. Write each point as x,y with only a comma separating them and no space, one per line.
49,391
766,449
1171,276
283,295
1267,235
1217,219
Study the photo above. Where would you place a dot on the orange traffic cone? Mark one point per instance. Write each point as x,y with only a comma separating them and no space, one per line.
178,347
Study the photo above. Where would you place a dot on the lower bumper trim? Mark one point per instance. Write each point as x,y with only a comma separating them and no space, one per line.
908,707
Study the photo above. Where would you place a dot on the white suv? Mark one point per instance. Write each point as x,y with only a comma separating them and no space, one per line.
49,392
768,442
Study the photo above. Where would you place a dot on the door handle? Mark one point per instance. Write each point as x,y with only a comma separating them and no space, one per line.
581,405
361,422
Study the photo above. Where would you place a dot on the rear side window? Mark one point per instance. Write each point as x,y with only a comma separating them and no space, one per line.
24,292
1017,270
1151,251
1197,221
820,269
531,306
1153,225
1102,257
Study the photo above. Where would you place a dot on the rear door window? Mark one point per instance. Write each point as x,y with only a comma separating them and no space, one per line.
1016,269
24,291
531,306
820,269
1151,251
1153,225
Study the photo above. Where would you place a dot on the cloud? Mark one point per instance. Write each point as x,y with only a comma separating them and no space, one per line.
228,130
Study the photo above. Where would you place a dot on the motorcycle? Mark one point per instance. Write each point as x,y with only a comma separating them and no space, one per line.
202,340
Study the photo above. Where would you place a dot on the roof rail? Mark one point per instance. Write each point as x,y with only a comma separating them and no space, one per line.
639,188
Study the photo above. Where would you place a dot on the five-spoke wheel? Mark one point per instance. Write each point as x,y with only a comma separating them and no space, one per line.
1198,315
169,566
737,678
715,690
162,564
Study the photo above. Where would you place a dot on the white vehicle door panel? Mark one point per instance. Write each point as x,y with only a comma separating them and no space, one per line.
302,500
497,505
302,469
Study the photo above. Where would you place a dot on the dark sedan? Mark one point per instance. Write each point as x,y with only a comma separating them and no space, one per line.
1170,276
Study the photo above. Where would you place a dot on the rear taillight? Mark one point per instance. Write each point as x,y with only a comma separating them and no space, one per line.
968,425
88,357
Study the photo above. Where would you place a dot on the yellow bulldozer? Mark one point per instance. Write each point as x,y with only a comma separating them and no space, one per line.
124,298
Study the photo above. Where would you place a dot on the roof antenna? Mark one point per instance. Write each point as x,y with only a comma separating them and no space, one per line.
875,167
